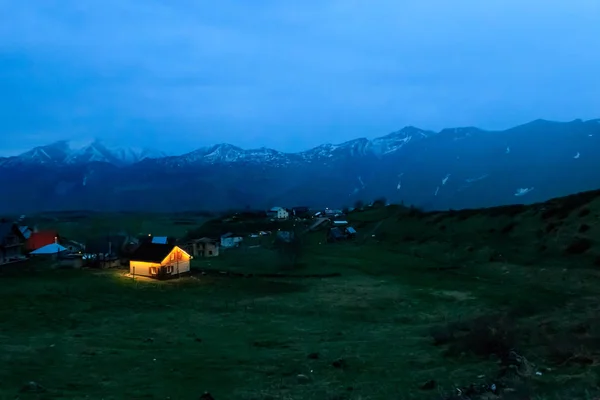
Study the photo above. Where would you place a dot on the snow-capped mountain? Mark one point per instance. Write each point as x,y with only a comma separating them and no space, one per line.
325,153
64,153
453,168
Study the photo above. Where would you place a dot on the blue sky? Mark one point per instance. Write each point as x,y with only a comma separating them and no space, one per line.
180,74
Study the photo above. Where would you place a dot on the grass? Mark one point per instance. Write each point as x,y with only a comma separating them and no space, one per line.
86,225
414,303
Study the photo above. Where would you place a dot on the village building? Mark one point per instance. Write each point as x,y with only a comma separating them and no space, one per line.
11,242
338,234
230,240
203,247
159,261
279,213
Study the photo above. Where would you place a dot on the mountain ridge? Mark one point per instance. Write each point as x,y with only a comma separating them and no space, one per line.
463,167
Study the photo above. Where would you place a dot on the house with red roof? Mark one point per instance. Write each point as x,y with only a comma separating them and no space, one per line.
41,239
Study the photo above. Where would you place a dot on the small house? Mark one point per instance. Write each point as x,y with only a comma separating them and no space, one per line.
159,261
335,235
279,213
203,247
350,232
229,240
11,241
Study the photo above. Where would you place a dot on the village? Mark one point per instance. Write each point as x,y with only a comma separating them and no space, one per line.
152,255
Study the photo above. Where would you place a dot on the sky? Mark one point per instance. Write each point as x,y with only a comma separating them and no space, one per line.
181,74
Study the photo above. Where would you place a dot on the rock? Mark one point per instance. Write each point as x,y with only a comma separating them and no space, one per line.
206,396
340,363
313,356
302,379
429,385
199,340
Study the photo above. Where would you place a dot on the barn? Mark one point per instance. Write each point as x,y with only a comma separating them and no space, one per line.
158,260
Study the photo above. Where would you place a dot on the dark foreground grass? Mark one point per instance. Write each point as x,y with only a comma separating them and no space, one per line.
390,323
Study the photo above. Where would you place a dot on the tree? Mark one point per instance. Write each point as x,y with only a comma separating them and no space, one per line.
359,204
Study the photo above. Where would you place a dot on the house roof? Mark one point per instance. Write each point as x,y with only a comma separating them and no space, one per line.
351,230
52,248
159,239
25,231
152,252
40,239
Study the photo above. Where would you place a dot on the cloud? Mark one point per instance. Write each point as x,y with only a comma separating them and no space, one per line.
200,72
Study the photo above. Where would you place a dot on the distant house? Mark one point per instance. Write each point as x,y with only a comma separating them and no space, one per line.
159,261
229,240
203,247
335,235
11,242
350,232
340,223
338,234
40,239
279,213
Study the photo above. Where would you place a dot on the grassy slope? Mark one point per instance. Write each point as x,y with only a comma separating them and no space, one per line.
85,334
86,225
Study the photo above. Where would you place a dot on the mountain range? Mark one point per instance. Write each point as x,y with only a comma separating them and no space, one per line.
454,168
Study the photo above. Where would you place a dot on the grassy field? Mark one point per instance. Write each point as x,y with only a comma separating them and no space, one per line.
425,303
86,225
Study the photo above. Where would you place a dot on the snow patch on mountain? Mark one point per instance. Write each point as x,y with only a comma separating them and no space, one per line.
68,153
445,179
523,191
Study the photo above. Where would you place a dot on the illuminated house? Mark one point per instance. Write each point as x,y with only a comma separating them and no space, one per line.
159,261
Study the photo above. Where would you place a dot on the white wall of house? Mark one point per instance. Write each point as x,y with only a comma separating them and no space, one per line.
282,214
142,268
178,267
